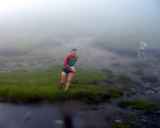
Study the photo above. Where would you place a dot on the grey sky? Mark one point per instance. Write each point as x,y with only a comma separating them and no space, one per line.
120,22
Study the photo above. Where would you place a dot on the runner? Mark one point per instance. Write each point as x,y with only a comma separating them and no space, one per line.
69,70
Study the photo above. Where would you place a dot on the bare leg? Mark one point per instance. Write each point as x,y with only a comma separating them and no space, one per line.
69,79
63,79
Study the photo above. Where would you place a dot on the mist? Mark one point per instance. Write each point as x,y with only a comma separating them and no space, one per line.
45,30
117,23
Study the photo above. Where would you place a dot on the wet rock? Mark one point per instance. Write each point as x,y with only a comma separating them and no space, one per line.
158,112
118,121
147,85
27,116
150,92
144,119
157,89
59,122
149,78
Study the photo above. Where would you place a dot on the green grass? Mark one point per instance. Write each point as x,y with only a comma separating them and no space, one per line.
140,104
33,86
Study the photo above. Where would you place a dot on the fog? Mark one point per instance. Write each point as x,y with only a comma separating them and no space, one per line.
117,23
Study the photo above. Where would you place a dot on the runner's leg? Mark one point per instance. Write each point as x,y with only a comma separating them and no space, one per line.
63,79
69,79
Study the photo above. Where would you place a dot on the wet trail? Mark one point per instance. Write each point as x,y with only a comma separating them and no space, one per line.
72,115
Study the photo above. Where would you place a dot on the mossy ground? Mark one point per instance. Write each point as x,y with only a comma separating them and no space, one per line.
121,125
42,85
140,104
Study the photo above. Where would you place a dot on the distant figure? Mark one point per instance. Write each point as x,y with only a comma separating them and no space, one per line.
142,48
69,70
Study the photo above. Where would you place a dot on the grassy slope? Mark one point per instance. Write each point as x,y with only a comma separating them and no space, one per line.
21,86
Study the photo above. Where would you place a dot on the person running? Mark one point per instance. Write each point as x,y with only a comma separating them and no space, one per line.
69,70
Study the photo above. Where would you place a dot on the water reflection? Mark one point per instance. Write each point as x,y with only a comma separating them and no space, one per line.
69,115
66,110
67,120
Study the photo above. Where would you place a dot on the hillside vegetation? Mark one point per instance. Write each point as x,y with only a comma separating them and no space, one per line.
42,85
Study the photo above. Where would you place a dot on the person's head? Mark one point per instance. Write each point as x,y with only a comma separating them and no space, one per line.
74,50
